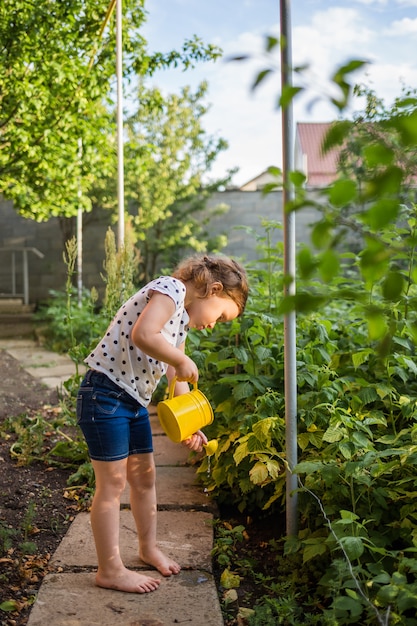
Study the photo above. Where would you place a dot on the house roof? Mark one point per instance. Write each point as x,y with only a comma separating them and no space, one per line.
320,168
257,183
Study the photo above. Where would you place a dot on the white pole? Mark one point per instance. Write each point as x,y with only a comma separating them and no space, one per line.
80,230
120,157
290,367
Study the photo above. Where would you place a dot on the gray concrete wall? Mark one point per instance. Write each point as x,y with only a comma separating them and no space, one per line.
49,272
246,209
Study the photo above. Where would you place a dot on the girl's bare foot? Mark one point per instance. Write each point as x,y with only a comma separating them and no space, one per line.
160,561
128,580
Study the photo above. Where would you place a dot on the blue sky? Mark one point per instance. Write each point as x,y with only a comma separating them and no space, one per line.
324,35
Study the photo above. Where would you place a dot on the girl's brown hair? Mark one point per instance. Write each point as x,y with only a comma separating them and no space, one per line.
205,270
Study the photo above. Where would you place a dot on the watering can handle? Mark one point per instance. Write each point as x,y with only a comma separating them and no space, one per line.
172,388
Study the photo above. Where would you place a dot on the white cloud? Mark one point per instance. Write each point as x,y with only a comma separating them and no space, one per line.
369,2
406,26
407,3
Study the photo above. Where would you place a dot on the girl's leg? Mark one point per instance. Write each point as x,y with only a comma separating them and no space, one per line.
105,523
141,478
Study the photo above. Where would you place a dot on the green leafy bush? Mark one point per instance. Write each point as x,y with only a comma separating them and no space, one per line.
357,398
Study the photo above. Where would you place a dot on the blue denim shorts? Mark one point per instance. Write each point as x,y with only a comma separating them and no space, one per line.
113,423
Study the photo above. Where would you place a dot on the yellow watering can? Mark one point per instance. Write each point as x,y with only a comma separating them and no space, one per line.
181,416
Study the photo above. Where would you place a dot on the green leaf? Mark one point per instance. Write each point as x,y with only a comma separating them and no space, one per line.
393,286
288,94
270,43
329,265
407,126
260,78
308,467
307,264
345,450
377,154
337,134
316,438
383,212
321,233
275,171
313,548
297,178
367,395
342,192
385,182
303,439
387,594
374,260
258,473
348,515
229,580
241,452
361,440
343,603
332,434
9,606
358,358
407,599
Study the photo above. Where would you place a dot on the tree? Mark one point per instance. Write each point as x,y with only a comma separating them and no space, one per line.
166,156
56,81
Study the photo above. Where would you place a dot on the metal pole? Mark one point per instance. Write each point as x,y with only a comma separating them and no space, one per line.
13,274
80,230
290,367
25,277
120,160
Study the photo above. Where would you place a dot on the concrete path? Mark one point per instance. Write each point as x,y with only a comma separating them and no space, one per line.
68,596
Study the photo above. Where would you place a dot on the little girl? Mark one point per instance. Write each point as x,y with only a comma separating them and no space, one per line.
144,341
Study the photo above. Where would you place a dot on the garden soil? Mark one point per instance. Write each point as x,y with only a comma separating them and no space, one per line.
34,512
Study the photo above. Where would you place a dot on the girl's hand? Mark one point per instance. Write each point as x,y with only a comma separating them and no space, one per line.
196,441
186,370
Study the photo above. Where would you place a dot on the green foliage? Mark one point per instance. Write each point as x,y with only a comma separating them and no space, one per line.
120,270
357,380
55,321
57,114
69,323
226,539
167,153
73,325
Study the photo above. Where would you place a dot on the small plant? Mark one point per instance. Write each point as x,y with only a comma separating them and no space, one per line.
6,537
55,441
227,537
280,610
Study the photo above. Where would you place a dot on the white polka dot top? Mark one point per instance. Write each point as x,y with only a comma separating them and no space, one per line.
123,362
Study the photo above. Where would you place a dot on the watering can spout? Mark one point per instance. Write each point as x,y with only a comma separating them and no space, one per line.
211,447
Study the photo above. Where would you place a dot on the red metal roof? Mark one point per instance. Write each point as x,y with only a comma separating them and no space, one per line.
320,169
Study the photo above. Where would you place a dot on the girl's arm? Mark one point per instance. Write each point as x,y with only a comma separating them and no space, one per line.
146,335
180,387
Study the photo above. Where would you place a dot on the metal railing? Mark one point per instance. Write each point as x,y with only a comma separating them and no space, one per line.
14,250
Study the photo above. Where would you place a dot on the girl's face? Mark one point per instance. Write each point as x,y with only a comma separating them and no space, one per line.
205,312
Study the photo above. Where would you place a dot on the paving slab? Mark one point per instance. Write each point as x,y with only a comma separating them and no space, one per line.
50,368
33,356
166,452
72,599
185,537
